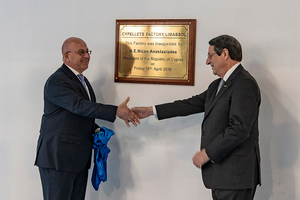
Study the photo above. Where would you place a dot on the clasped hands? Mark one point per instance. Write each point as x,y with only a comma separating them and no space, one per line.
133,115
127,114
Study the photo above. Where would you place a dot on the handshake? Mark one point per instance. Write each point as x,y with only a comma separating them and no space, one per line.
133,115
136,113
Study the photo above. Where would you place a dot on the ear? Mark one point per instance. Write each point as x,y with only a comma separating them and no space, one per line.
225,53
66,57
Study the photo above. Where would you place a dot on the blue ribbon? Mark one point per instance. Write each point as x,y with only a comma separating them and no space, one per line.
101,152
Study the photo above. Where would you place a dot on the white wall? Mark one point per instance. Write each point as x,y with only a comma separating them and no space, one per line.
154,160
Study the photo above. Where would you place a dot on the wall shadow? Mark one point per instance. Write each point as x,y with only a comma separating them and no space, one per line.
279,134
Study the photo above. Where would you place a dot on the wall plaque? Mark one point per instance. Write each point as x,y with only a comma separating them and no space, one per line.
155,51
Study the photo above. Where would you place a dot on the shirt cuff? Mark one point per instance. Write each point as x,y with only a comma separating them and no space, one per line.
154,112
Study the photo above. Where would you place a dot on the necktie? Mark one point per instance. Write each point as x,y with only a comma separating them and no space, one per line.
220,85
80,76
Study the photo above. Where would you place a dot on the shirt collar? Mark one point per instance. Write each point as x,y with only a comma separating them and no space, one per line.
229,72
74,71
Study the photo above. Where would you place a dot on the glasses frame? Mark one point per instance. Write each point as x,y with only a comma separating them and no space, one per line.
82,52
210,55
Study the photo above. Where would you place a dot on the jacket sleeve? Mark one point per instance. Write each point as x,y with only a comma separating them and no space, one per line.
65,93
193,105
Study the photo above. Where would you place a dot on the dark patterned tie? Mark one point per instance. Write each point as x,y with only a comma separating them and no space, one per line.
220,85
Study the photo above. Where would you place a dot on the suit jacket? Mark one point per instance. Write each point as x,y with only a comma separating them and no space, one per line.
65,141
229,130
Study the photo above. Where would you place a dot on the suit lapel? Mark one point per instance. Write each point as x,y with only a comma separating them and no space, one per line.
91,91
214,99
76,81
211,93
82,89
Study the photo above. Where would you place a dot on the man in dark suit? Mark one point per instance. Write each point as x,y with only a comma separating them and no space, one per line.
229,155
65,143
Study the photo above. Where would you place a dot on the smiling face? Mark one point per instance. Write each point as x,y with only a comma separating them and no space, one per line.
216,62
71,57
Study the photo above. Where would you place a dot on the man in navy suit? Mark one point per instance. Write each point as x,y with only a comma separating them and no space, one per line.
229,155
65,143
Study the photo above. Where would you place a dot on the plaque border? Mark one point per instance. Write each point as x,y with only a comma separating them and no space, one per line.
191,49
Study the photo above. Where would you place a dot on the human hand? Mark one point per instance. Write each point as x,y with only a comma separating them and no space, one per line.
143,112
200,158
126,114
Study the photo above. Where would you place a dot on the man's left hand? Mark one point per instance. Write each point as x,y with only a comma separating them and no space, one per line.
200,158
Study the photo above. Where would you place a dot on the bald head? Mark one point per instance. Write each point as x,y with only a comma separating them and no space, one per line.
67,45
71,54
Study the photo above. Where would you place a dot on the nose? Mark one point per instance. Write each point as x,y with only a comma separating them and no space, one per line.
87,55
207,61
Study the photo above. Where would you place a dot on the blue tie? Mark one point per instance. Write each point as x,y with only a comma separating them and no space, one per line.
80,76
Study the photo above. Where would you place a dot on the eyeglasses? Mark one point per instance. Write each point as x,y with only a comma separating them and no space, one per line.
82,52
210,55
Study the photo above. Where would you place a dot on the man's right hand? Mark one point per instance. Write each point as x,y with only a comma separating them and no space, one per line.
143,112
126,114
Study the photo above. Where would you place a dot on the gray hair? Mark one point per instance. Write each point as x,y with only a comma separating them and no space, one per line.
227,42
